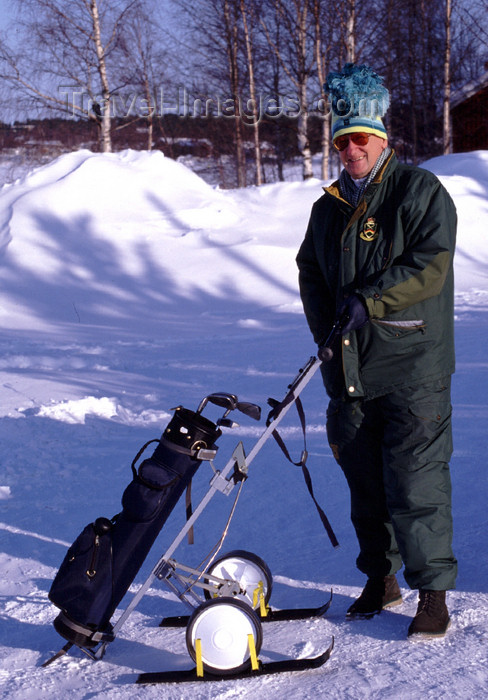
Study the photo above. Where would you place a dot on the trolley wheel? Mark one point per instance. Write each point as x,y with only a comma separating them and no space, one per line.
222,625
248,570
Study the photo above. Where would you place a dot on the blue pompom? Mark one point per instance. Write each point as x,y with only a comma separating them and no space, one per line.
357,91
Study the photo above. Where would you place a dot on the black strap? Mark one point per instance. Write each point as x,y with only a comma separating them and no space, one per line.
277,407
189,513
136,458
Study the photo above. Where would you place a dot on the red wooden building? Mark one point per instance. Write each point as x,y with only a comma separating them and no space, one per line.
469,114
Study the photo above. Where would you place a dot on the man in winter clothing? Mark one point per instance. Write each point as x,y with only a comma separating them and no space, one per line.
378,254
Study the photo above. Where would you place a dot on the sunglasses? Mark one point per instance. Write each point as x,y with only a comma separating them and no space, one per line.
342,142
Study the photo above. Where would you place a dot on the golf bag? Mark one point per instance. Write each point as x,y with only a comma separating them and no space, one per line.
105,558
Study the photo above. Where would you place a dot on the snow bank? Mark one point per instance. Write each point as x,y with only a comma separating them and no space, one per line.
98,239
465,176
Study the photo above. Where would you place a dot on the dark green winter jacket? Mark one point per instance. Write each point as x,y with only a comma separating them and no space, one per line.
396,251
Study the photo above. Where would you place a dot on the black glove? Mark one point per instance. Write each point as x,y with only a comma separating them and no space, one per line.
354,313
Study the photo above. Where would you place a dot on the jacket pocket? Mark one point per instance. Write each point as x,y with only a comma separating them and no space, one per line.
390,351
402,327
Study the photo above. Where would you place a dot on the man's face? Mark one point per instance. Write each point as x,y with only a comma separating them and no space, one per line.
359,160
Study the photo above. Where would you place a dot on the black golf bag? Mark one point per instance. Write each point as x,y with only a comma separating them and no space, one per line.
105,558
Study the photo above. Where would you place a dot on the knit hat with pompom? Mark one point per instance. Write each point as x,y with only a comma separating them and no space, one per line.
358,100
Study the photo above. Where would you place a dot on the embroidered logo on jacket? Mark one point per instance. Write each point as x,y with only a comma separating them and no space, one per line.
370,230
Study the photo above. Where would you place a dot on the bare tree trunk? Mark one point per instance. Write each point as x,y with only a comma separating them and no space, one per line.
351,32
389,70
105,136
232,55
447,145
321,69
413,74
303,142
150,115
144,52
252,92
297,68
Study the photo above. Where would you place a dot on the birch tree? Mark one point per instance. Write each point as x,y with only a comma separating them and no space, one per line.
446,122
146,68
231,27
69,57
322,71
327,22
350,33
412,33
469,40
296,57
248,20
101,50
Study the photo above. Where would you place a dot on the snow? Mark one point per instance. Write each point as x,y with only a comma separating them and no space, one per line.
130,286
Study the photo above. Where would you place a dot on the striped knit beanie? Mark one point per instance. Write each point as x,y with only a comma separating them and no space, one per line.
358,101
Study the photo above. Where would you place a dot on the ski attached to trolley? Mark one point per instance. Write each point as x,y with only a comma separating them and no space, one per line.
284,615
261,669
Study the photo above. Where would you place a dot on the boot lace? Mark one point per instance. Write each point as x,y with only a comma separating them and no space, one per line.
432,602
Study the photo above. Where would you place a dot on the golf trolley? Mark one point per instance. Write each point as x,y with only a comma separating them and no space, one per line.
227,596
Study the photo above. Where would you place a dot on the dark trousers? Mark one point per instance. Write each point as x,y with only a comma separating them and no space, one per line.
394,451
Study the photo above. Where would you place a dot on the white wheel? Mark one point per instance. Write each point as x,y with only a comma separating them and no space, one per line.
222,625
250,572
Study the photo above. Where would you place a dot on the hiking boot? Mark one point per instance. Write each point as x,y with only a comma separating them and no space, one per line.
432,617
379,592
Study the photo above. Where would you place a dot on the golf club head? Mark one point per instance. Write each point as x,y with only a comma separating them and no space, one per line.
251,410
229,402
227,423
222,399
